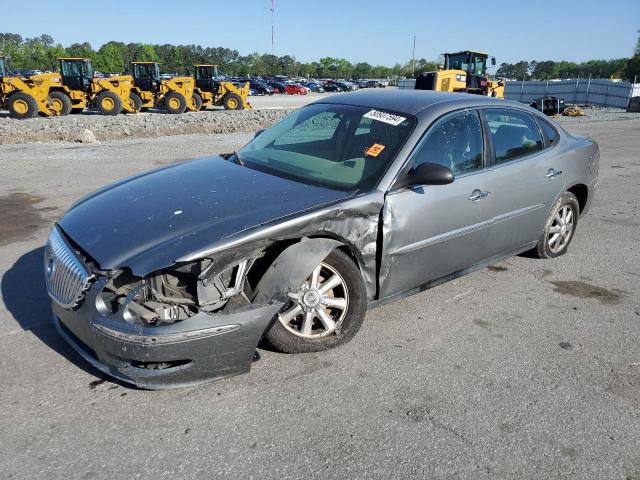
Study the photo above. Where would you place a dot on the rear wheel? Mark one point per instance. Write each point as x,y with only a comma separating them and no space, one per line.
232,101
22,105
109,103
196,102
60,103
136,101
559,228
326,311
175,102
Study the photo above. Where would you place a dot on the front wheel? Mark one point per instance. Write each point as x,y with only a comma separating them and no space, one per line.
559,228
109,103
232,101
327,310
175,103
60,103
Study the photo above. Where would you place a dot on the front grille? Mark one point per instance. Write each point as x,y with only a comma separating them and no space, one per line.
65,274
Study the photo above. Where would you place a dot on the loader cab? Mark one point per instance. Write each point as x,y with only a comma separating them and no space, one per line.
3,71
146,76
473,63
207,77
77,73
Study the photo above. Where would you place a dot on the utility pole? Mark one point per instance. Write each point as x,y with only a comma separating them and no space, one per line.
273,49
413,58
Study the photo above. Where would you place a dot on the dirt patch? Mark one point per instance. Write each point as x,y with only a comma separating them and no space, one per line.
496,268
20,219
586,290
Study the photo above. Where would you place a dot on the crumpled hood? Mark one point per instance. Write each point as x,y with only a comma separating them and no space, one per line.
166,214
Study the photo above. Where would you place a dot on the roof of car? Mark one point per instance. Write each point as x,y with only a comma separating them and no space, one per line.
413,101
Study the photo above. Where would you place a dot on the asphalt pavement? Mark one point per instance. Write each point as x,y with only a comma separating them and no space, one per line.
528,369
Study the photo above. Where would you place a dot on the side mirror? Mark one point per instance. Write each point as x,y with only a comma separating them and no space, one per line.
493,61
259,132
430,174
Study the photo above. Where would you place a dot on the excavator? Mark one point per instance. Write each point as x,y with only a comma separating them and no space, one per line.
150,90
464,71
212,90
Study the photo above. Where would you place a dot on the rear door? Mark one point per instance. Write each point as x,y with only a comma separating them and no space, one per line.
525,178
434,230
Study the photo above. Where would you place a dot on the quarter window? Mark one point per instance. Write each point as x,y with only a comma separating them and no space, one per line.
549,132
455,142
513,134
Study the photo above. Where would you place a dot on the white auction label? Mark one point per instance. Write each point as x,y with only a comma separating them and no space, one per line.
385,117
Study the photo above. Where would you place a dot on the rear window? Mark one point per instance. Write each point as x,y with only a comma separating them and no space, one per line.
513,134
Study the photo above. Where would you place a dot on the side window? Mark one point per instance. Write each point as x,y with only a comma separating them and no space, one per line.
513,134
455,142
549,132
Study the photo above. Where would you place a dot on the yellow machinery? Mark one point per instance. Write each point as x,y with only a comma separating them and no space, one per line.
464,71
26,97
175,95
75,88
212,90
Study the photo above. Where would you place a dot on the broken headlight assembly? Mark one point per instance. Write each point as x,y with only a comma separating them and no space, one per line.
174,294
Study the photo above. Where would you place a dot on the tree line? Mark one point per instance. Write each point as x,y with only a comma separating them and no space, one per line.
42,53
624,68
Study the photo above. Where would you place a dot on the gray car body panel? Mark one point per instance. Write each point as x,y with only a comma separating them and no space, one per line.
403,239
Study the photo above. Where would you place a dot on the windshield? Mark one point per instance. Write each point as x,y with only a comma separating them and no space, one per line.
338,146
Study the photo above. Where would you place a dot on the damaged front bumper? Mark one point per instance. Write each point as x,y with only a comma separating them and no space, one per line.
204,348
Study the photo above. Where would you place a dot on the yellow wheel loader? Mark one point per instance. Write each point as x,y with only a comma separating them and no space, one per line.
75,89
465,72
213,91
26,97
175,95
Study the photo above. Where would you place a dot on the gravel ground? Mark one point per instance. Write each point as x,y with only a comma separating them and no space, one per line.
527,369
90,127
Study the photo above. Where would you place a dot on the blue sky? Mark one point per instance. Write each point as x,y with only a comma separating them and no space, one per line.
376,31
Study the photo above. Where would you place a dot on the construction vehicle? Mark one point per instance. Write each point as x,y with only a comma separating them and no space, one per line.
212,90
149,90
464,71
26,97
75,89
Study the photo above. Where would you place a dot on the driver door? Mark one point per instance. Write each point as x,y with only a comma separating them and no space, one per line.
432,231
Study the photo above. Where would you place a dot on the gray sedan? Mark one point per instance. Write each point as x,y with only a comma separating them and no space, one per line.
173,277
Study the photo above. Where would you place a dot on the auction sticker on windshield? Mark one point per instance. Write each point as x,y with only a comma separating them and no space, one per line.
385,117
374,150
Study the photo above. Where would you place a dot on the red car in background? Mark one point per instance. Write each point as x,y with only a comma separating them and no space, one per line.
295,89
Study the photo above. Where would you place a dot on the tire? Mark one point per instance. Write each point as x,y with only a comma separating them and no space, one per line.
197,101
60,102
136,100
566,207
76,111
174,103
22,105
232,101
108,103
318,336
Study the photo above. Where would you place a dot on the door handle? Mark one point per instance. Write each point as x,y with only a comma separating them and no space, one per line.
478,195
552,173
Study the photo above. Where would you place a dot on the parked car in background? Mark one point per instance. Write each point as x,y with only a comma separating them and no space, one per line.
295,89
374,84
278,87
313,87
331,87
261,88
172,277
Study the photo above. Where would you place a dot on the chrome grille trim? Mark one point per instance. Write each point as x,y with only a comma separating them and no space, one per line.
66,276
